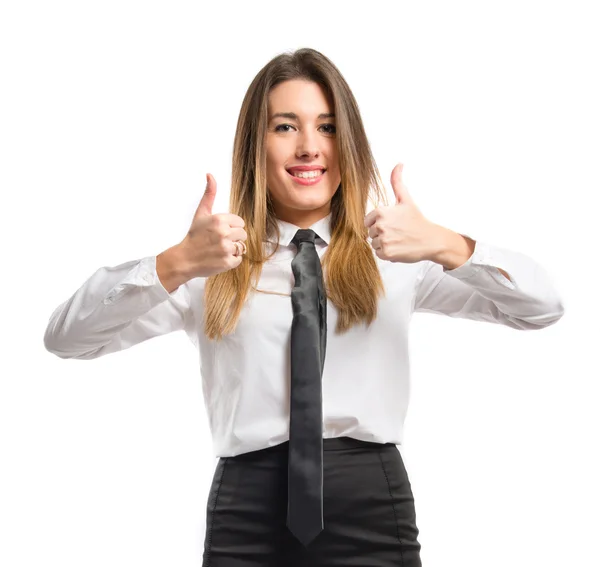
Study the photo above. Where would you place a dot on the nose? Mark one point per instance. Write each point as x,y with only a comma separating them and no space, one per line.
307,144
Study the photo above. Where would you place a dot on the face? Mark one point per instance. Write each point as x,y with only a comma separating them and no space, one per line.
306,139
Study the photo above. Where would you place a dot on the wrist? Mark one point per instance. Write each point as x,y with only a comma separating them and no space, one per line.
172,268
452,249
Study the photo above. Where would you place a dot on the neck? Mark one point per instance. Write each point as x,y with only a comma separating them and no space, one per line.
303,219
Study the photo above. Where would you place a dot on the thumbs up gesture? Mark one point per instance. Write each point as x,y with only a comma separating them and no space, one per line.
209,246
401,233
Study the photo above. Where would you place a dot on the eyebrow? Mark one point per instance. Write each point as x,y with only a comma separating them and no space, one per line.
294,116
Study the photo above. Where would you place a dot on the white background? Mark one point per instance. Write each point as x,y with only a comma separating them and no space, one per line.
112,113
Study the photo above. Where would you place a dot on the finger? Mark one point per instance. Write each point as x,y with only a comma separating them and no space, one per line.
238,234
371,217
234,221
208,199
237,249
400,190
373,232
397,171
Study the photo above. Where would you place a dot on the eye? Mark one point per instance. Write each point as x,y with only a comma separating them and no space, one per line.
280,127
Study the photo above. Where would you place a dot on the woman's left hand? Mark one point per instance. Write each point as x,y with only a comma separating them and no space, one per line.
401,233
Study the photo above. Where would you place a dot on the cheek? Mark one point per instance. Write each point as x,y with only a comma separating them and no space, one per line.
275,165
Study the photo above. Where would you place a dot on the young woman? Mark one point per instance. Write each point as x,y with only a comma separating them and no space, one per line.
299,303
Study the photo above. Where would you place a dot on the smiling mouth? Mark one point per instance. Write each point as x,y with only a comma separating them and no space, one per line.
307,174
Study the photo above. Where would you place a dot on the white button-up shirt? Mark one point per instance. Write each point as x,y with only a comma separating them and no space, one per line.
246,376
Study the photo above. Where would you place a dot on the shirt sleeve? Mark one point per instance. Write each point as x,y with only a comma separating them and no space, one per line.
477,290
116,308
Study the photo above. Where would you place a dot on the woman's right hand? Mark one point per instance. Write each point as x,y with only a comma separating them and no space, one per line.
208,248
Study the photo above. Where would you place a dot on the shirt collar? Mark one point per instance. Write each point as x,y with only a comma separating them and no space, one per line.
288,230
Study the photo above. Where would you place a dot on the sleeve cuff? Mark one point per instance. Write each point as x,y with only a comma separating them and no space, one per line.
485,257
142,274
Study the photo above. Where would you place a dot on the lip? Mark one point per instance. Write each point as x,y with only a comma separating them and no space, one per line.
305,167
314,181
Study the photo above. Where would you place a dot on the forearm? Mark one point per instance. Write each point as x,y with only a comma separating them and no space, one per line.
171,268
453,249
450,249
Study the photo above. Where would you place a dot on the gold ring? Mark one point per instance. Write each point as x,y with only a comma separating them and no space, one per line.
237,250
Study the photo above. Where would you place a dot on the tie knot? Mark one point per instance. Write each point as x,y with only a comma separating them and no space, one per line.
304,235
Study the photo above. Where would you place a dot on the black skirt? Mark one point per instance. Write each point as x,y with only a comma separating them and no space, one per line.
368,510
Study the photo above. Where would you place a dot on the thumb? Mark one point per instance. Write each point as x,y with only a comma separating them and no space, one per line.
400,189
208,199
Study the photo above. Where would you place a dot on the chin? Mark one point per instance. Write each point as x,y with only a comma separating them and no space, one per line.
309,204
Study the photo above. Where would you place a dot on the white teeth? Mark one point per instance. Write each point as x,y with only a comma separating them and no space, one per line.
307,174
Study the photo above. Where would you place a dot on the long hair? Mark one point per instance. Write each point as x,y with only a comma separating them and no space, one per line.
350,270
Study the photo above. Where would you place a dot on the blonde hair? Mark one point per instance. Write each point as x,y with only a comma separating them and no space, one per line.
350,269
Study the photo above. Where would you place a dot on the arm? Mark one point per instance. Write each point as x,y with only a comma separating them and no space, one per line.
521,296
170,268
118,307
456,249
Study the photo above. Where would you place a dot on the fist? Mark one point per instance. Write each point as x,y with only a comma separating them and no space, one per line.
208,248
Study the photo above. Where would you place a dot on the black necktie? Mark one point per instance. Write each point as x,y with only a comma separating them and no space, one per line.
308,343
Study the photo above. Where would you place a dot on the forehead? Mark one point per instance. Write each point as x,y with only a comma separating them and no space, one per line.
299,96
